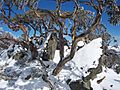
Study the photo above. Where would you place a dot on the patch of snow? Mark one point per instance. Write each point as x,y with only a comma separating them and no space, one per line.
57,56
87,57
111,81
114,48
3,84
80,43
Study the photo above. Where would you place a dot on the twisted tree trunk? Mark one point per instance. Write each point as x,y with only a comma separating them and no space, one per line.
74,43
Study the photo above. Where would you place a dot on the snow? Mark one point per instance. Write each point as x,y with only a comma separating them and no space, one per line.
57,54
111,81
88,54
56,57
80,43
3,83
85,58
114,48
36,84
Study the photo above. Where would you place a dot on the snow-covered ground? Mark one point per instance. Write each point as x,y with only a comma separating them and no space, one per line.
85,58
111,81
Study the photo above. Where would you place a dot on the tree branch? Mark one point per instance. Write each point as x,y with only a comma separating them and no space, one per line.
74,43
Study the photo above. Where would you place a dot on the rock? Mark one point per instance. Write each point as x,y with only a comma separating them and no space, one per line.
33,50
19,55
45,56
30,73
99,81
52,45
78,85
11,72
112,60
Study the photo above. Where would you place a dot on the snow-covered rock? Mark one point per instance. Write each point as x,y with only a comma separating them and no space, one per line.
30,75
110,82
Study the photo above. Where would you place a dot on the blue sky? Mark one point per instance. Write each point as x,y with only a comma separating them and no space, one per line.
50,4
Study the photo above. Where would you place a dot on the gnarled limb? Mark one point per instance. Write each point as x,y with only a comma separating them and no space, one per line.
75,41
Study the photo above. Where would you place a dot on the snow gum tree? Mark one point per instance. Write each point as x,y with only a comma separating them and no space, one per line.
79,24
